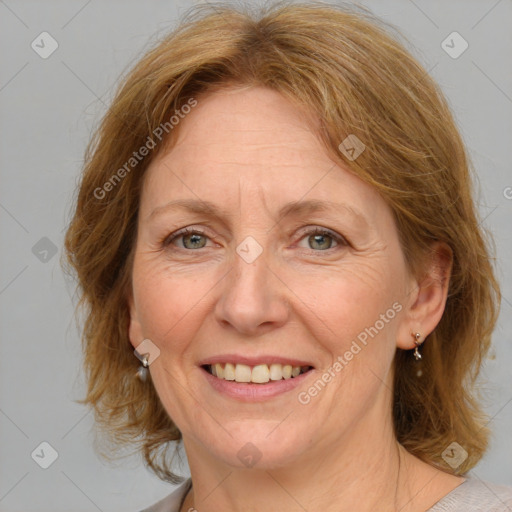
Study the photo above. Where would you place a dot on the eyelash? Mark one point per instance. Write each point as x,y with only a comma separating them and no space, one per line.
341,241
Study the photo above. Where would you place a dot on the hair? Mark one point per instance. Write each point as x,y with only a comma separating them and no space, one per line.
353,72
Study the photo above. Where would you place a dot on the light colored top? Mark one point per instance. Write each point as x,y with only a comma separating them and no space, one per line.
472,495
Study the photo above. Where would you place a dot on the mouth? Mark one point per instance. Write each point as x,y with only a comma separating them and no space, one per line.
255,374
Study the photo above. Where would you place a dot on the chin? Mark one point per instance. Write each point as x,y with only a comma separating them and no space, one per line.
257,445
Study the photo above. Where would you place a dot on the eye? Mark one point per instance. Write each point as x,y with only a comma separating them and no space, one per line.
318,239
321,239
191,238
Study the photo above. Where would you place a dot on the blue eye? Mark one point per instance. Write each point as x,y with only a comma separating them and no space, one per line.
191,237
319,239
323,239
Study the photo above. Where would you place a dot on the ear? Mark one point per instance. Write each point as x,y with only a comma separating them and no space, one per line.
135,328
427,297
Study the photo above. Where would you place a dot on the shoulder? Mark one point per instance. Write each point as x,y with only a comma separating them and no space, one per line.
475,495
172,502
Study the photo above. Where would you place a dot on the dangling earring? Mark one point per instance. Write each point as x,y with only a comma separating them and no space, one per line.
417,342
142,372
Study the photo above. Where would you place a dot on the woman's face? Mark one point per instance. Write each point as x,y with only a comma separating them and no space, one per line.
253,283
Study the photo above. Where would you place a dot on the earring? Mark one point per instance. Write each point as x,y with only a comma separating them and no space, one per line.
142,372
417,342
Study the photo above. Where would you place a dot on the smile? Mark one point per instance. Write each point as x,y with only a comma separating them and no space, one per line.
257,374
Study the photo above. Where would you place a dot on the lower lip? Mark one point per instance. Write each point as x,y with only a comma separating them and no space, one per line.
251,392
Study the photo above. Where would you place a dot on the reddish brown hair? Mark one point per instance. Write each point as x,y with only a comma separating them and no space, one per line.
357,79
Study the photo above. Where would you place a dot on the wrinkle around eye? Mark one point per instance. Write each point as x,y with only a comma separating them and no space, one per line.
158,237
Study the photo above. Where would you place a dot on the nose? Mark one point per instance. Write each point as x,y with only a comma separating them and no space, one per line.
253,299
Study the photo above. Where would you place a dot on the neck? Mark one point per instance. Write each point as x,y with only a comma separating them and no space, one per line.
368,470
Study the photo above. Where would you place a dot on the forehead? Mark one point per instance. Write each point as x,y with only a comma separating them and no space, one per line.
256,123
249,147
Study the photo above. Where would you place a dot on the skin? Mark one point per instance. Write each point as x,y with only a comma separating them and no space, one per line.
250,151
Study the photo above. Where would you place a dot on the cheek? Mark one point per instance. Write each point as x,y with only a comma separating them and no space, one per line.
348,300
361,310
167,303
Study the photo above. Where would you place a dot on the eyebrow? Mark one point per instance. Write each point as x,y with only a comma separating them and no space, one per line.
292,208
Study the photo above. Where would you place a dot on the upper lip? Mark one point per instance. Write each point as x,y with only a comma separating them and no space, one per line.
253,361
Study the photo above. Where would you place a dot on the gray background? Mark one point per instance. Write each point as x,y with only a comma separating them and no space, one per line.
48,109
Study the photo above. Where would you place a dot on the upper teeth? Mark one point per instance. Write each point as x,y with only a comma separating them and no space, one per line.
260,373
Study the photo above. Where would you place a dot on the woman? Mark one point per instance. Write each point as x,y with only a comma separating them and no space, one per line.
276,240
